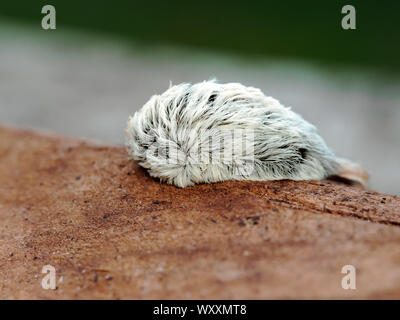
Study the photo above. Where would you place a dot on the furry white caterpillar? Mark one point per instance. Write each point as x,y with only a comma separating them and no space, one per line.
209,132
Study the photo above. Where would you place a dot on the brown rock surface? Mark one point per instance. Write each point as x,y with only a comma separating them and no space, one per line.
111,231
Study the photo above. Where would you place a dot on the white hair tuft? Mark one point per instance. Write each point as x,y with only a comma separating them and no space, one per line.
209,132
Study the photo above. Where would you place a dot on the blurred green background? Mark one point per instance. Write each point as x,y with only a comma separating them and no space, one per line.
309,30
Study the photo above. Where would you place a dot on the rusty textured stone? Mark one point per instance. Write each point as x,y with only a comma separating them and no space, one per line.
111,231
